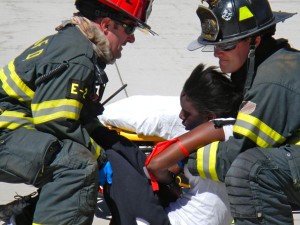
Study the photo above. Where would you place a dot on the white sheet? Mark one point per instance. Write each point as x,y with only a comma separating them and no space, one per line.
148,115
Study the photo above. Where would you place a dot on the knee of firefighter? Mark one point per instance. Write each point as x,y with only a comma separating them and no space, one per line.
241,184
75,156
245,167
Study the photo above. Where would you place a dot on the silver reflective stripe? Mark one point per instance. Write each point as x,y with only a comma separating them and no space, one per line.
256,131
207,160
54,109
62,108
206,154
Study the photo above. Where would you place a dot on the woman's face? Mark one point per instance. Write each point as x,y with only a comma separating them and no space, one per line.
189,114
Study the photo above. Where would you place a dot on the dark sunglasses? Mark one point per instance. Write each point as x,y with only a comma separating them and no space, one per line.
227,46
129,28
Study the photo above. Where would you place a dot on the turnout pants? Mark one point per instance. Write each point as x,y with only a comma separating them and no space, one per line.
65,172
262,185
130,197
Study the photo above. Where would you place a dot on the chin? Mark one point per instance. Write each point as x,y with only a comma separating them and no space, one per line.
118,56
224,69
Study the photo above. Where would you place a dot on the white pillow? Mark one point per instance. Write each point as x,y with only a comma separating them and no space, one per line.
147,115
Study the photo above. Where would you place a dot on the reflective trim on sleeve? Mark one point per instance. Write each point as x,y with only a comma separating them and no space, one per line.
257,131
51,110
13,120
295,139
96,149
13,85
206,161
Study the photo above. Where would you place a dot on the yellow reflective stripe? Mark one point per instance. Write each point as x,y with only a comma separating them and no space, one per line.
51,110
13,120
256,130
96,149
55,103
14,126
13,85
16,114
295,139
247,133
54,116
199,162
206,161
213,161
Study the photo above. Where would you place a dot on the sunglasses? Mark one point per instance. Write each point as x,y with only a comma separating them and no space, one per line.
129,28
227,46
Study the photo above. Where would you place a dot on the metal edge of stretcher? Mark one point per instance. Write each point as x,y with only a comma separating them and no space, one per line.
136,137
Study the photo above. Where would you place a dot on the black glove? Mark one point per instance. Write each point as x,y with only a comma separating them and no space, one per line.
107,138
169,193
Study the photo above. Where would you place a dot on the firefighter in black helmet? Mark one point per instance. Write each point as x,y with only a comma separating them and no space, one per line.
260,164
50,135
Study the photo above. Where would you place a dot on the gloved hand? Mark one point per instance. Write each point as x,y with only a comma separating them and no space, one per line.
180,164
105,174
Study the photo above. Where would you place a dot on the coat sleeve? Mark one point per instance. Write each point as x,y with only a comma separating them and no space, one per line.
268,118
63,106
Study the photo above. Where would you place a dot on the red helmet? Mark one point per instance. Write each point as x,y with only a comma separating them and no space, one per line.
137,10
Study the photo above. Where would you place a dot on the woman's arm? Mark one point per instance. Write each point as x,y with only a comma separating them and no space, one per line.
198,137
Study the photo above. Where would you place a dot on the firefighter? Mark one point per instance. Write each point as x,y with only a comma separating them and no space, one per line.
49,102
260,164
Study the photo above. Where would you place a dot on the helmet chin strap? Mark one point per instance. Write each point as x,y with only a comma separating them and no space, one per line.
251,64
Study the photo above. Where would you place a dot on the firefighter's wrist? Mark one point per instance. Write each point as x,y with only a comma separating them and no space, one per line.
172,185
169,181
102,159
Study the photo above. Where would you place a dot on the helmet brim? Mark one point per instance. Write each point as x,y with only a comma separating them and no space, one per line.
200,42
142,25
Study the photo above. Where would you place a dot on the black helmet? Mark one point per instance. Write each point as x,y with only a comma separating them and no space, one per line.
231,20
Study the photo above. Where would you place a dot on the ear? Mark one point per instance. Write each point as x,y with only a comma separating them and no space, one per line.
257,41
103,24
211,116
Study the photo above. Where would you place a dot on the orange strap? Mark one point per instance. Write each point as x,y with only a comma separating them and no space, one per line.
158,149
183,149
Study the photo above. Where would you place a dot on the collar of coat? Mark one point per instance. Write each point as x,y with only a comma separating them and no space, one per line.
100,43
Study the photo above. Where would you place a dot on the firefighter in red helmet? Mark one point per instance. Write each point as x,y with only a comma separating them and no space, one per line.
50,99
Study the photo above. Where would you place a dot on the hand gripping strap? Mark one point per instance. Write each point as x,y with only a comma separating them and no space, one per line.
158,149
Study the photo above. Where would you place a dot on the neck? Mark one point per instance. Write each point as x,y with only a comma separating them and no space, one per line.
99,41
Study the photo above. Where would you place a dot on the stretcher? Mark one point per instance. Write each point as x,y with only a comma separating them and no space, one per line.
145,143
146,120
